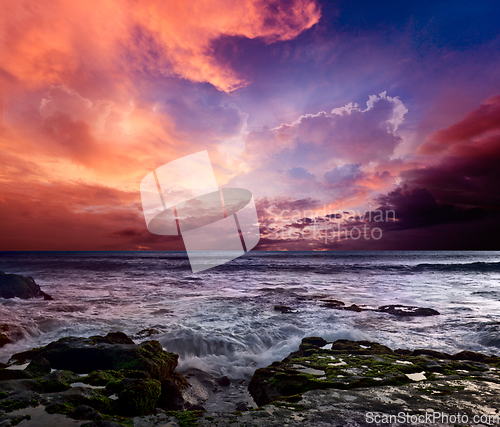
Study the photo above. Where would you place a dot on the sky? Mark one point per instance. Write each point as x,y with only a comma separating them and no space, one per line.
356,125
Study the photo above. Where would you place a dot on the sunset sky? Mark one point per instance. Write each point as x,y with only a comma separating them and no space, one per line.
323,110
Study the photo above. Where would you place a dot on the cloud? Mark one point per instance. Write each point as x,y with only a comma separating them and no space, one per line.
476,126
63,99
346,135
467,169
75,216
300,174
61,41
347,172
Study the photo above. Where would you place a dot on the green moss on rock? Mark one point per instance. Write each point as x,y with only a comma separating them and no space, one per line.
101,378
348,364
135,396
113,352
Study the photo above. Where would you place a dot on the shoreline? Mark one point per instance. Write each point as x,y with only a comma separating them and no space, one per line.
306,388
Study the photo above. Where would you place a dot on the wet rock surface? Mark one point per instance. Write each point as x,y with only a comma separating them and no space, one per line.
14,285
348,365
393,309
105,379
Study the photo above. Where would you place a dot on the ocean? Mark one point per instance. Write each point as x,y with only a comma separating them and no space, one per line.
223,320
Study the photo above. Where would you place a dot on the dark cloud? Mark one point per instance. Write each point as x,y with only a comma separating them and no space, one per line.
467,173
418,208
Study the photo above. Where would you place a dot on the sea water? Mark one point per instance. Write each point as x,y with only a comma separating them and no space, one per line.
223,320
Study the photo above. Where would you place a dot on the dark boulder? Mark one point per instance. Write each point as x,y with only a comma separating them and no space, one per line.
242,406
224,381
14,285
405,310
172,397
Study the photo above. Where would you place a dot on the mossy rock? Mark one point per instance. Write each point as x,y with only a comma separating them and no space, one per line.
135,396
101,378
12,405
55,382
113,352
14,374
354,364
38,367
67,401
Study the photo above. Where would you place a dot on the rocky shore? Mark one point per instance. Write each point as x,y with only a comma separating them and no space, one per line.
109,381
17,286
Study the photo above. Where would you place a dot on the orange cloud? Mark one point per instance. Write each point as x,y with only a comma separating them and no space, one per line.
68,42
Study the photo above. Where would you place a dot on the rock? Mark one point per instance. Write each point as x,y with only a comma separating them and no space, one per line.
124,378
14,285
67,401
13,374
242,406
354,307
354,364
332,303
56,381
146,333
84,412
426,352
171,396
12,420
395,309
103,423
135,396
101,378
283,309
20,396
115,351
404,310
4,339
201,386
196,408
224,381
39,367
113,338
